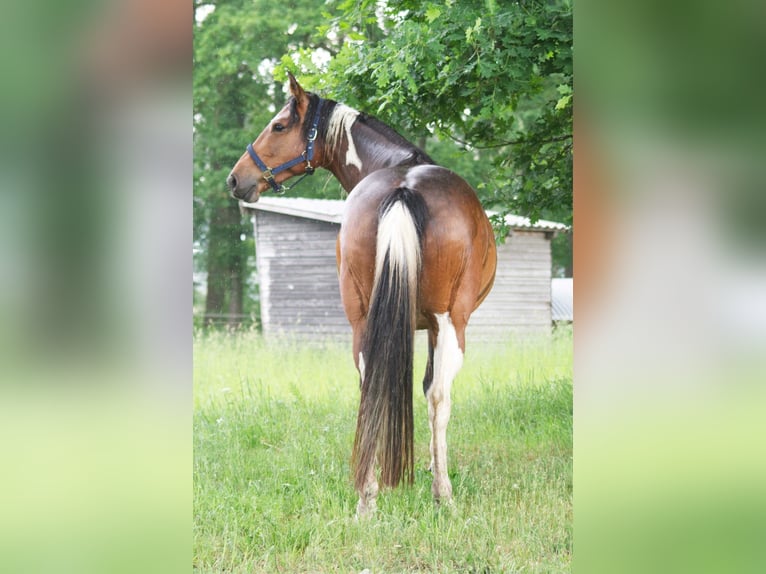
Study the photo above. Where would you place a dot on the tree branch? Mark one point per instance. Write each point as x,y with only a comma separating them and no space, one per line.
510,142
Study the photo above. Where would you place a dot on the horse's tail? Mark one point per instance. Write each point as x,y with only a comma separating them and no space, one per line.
384,425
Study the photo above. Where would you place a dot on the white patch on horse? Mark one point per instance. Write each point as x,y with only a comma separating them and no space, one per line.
361,365
343,117
448,359
398,236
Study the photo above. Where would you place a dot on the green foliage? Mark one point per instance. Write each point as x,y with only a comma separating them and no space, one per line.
495,79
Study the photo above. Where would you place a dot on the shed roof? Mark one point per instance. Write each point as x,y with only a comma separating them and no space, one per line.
520,222
331,210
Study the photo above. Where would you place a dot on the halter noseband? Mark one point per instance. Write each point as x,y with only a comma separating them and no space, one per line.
307,156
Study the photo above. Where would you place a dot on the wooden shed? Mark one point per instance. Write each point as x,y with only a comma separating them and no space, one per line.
520,300
297,272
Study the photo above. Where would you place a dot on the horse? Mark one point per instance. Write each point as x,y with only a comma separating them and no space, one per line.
415,250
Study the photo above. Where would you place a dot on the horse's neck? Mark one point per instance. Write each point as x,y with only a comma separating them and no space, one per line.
364,152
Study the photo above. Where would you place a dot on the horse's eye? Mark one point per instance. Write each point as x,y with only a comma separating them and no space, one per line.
278,127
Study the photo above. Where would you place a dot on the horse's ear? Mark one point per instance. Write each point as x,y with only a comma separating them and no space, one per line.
299,93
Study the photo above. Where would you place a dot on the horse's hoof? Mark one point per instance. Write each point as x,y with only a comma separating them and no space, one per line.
445,506
365,511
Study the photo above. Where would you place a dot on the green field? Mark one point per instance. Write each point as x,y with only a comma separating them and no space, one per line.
273,430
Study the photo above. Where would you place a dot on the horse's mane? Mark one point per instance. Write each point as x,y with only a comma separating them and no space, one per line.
418,155
336,118
331,128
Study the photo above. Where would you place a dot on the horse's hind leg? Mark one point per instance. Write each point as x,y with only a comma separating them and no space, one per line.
368,494
427,381
447,361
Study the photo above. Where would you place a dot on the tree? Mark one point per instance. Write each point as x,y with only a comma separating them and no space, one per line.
493,77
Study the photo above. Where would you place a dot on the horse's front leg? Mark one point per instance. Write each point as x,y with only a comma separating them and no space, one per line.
447,361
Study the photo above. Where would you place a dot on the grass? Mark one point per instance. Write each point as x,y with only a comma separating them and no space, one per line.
273,430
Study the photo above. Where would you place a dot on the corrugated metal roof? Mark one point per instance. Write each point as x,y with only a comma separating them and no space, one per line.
562,307
332,210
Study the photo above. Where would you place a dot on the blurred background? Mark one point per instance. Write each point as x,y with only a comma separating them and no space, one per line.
670,297
96,177
95,336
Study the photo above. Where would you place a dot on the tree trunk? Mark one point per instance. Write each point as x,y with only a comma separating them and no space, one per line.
225,266
235,297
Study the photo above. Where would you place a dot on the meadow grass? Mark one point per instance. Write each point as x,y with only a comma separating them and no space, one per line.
273,430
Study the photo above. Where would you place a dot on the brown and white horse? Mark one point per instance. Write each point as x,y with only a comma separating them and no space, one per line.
415,251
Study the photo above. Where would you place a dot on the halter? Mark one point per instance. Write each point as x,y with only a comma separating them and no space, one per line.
307,156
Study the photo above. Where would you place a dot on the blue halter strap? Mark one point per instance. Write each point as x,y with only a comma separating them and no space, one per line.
307,156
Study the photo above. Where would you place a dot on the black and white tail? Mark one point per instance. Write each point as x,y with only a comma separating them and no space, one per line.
384,424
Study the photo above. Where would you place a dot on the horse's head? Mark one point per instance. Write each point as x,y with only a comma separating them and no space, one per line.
285,148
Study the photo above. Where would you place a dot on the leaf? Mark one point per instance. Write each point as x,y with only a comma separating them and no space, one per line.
473,30
400,69
563,102
432,13
381,77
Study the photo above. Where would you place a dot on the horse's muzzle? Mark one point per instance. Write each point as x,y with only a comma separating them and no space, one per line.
231,181
239,191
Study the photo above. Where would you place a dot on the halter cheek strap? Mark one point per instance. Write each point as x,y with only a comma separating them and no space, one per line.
307,156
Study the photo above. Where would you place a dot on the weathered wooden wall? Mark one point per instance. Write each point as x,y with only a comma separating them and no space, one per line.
299,282
298,276
520,301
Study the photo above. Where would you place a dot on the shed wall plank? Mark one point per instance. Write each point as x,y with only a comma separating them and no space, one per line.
300,294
